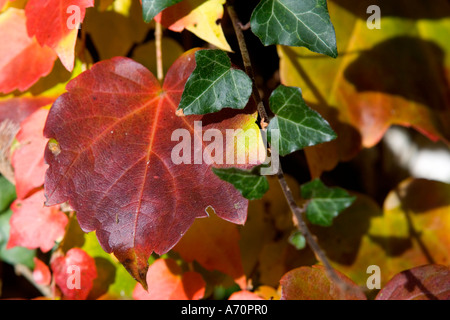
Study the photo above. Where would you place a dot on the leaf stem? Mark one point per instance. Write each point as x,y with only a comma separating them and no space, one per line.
159,60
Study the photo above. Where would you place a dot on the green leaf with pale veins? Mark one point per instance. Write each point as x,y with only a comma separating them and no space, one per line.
150,8
251,185
324,203
299,126
214,85
304,23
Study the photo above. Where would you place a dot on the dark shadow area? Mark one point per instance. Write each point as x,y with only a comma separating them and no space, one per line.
106,276
342,240
393,246
405,66
413,282
410,9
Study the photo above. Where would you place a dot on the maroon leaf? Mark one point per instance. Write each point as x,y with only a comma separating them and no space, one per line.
112,160
429,282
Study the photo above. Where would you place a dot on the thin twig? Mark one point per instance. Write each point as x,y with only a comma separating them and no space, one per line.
22,270
296,210
159,60
248,65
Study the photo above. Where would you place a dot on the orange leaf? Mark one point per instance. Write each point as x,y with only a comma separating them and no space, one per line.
41,272
22,61
166,281
35,226
28,158
55,24
214,243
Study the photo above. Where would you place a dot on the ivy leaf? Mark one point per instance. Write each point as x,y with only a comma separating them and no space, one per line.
297,240
214,85
250,184
150,8
295,23
55,25
299,126
7,193
136,198
324,203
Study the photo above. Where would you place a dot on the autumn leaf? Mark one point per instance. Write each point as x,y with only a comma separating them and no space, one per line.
244,295
41,272
23,55
28,156
74,274
410,230
312,283
113,33
166,281
201,17
214,243
119,131
17,109
428,282
35,226
371,85
55,24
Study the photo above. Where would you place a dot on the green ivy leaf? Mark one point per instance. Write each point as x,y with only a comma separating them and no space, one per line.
299,126
324,203
150,8
214,85
251,185
7,193
297,23
297,240
16,255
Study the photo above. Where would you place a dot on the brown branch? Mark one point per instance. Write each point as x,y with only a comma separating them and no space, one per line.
296,210
237,25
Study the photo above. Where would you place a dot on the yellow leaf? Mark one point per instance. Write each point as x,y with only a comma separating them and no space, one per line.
201,17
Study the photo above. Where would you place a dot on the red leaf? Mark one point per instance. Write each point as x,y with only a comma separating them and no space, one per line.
166,281
18,109
244,295
429,282
74,274
214,243
41,272
49,21
28,158
114,128
35,226
312,283
22,55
